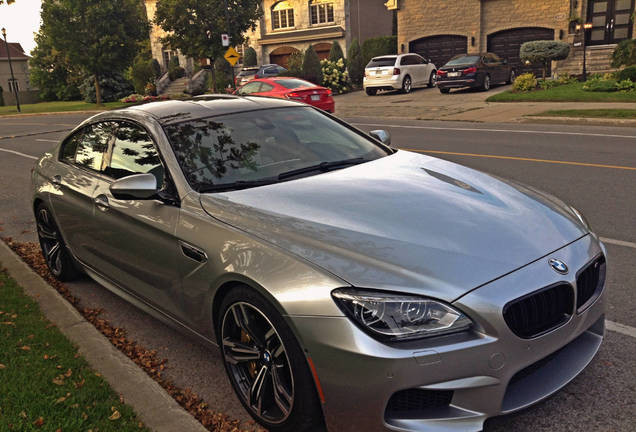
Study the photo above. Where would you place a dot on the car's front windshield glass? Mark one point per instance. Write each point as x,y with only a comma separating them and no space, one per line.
463,60
262,145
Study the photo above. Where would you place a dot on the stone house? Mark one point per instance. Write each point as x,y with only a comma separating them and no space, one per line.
441,29
292,25
20,64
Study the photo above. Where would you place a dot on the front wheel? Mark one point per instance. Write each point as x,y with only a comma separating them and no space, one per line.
265,364
58,258
432,80
511,78
444,90
407,84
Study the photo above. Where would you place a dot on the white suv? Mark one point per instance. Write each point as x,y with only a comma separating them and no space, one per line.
395,72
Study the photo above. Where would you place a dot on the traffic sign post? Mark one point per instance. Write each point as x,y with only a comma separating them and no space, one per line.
232,58
225,40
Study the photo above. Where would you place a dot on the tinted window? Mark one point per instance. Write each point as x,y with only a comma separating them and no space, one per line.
292,83
463,60
381,62
260,145
93,146
406,60
69,148
251,87
134,153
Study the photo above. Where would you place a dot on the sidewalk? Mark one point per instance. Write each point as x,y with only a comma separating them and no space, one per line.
464,105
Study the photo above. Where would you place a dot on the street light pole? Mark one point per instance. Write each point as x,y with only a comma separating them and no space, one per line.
14,87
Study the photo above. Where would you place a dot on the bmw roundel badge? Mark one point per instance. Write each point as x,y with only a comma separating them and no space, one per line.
558,266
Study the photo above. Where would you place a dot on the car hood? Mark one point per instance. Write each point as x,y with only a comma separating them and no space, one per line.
404,222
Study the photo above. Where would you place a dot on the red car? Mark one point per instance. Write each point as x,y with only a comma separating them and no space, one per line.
290,88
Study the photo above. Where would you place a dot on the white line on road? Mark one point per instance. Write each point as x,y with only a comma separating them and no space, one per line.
618,242
18,153
46,140
497,130
620,328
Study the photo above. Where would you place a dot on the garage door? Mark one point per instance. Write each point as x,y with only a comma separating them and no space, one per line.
280,56
440,49
506,44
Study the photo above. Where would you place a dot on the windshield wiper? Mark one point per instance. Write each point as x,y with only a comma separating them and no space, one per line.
237,185
322,167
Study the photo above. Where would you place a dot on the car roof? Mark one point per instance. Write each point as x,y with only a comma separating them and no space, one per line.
172,111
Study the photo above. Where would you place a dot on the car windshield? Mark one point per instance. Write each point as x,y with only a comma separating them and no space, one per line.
259,147
381,62
463,60
248,72
292,83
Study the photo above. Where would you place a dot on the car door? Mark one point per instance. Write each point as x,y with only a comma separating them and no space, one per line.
136,239
407,68
497,66
75,178
425,69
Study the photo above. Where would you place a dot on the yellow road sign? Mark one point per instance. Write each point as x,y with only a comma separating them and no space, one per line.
231,56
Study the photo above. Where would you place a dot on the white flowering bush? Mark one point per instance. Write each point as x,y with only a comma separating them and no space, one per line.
335,75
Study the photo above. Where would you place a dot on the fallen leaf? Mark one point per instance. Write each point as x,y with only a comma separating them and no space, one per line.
30,336
116,415
7,323
61,399
23,414
98,374
79,384
68,373
58,430
46,356
2,366
25,348
14,316
84,415
59,380
39,422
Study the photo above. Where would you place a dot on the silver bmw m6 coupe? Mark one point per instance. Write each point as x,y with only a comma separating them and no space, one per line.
347,284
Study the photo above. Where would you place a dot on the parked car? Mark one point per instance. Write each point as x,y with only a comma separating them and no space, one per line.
290,88
474,71
398,72
270,70
347,284
245,75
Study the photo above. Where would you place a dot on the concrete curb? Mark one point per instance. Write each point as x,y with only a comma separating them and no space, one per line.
50,113
156,408
579,121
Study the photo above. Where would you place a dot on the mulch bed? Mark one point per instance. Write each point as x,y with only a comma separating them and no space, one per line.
146,359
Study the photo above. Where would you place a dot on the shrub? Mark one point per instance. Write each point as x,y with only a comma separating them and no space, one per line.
113,87
626,86
597,84
543,52
311,66
223,73
624,54
546,84
295,64
174,70
249,57
566,78
336,52
524,83
355,63
142,74
335,75
156,68
629,73
378,46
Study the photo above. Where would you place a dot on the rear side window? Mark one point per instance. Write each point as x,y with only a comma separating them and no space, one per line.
381,62
134,152
94,145
69,148
293,83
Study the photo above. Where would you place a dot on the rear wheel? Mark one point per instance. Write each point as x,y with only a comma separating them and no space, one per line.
444,90
432,80
265,363
407,84
511,78
58,259
486,85
371,91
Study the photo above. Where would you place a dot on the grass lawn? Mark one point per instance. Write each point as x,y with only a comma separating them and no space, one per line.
44,107
565,93
591,113
44,383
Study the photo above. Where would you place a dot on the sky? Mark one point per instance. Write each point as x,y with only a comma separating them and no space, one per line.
22,20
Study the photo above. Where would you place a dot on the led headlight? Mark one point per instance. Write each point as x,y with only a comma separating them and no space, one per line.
396,316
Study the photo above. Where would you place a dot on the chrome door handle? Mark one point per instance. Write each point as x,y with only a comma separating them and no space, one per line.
101,201
56,180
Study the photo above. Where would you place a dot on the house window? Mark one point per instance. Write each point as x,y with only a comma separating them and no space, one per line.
321,13
282,16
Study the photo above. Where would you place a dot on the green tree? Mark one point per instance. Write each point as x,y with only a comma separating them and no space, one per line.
378,46
312,71
51,72
355,63
100,37
543,52
249,57
195,26
336,52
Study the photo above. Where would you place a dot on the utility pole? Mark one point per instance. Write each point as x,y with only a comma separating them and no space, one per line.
229,33
14,87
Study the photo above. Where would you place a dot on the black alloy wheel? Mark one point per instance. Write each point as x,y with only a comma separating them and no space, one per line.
371,91
432,80
486,85
58,258
444,90
266,366
407,84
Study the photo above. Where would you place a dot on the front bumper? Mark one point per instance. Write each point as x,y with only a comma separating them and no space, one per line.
489,371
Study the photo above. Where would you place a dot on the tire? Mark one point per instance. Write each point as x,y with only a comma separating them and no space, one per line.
407,85
432,81
511,78
59,260
486,85
444,90
246,318
371,91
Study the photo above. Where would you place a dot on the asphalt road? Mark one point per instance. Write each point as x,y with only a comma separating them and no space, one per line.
592,168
